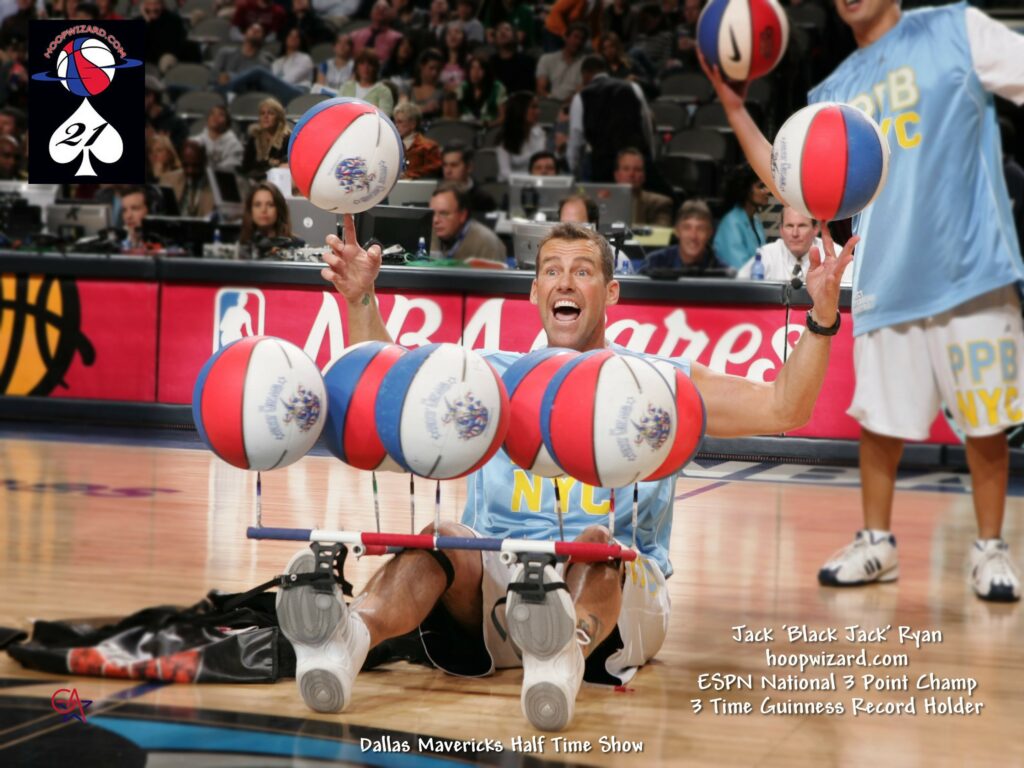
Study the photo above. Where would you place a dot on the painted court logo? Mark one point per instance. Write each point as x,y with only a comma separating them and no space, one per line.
69,705
86,102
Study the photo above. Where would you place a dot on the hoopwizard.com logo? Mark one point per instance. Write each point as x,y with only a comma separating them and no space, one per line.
86,102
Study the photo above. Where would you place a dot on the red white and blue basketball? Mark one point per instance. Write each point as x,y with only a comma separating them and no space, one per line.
691,420
526,380
259,403
829,161
352,382
85,66
745,38
442,411
345,155
607,419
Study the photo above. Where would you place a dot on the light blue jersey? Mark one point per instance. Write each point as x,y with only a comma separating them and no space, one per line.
941,232
506,501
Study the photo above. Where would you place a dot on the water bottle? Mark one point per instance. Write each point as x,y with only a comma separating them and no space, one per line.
421,250
216,236
757,268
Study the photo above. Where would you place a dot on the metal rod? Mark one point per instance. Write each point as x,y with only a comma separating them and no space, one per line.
558,509
376,500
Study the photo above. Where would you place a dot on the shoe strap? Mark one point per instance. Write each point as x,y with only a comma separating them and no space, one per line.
521,588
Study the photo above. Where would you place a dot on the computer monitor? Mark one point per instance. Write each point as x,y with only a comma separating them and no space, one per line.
227,193
42,195
72,221
526,239
188,233
392,224
412,192
310,223
546,192
614,203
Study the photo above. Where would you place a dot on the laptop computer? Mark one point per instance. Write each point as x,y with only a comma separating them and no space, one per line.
614,202
526,239
528,194
77,220
412,192
310,223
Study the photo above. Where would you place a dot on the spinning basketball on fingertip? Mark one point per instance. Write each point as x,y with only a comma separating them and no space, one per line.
345,155
745,39
829,161
259,403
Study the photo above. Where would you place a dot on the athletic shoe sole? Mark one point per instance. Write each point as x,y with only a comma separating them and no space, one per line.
827,578
309,619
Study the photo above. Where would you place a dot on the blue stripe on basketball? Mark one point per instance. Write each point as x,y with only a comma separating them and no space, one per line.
312,112
401,146
708,25
863,162
548,401
197,393
516,372
391,401
340,380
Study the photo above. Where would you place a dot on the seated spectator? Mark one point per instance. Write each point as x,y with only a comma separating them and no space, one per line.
290,75
481,98
107,12
454,50
514,69
740,231
16,25
162,156
160,118
684,54
231,62
337,70
367,85
379,36
521,136
12,122
543,163
310,24
11,157
265,216
270,16
408,17
620,66
654,41
267,145
693,228
422,155
191,183
86,12
465,10
457,167
457,235
580,209
401,70
134,209
558,72
619,19
166,38
520,14
432,34
649,208
564,14
426,92
223,149
789,256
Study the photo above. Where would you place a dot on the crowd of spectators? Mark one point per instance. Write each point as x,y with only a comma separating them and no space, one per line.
605,91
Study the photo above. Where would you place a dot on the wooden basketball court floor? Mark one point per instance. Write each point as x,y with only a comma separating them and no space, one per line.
746,543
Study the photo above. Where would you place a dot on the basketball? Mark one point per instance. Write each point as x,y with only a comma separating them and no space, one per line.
607,419
85,66
690,423
829,161
259,403
442,411
352,382
526,381
745,38
345,155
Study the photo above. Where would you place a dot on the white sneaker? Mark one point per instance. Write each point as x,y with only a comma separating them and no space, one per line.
552,658
993,573
330,641
871,557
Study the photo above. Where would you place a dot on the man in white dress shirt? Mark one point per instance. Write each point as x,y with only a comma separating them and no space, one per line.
782,257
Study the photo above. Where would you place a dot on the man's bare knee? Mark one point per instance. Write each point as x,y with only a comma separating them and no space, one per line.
595,534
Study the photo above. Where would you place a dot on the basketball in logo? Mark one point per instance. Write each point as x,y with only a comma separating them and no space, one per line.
86,66
39,333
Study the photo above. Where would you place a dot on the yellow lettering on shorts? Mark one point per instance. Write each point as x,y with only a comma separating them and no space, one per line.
1013,405
990,399
968,408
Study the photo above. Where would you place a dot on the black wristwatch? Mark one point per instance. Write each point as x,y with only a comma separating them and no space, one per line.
813,327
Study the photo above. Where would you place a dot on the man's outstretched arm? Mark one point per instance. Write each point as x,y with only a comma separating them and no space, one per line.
353,271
